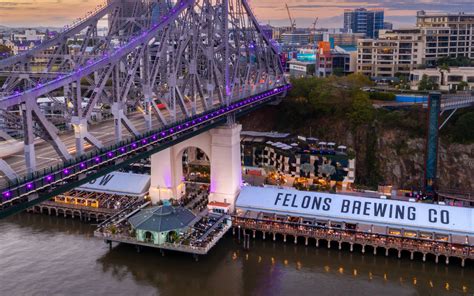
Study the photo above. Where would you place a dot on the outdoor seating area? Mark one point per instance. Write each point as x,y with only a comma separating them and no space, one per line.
96,199
196,197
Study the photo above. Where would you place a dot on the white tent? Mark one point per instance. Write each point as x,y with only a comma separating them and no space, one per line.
120,184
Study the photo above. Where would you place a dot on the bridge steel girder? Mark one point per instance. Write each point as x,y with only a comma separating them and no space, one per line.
192,58
42,187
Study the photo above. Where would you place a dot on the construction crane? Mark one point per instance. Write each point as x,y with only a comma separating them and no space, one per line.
292,21
315,23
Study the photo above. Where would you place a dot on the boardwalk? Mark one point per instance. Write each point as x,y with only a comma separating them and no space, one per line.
375,241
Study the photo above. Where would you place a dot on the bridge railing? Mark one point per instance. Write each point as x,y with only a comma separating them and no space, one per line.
78,168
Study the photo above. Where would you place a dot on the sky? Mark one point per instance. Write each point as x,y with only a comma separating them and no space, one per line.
41,13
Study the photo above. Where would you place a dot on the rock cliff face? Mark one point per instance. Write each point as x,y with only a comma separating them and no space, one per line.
402,162
383,155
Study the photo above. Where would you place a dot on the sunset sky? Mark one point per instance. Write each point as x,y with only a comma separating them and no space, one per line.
401,12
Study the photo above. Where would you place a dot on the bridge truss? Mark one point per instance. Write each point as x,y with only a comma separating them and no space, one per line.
177,68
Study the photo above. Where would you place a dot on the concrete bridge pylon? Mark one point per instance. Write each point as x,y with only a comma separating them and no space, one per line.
222,147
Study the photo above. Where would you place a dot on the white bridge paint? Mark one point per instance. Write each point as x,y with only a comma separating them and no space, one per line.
353,209
221,145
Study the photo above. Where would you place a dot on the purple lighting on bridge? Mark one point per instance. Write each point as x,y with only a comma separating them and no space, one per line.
82,165
122,149
97,159
29,186
7,194
110,154
134,145
49,178
66,171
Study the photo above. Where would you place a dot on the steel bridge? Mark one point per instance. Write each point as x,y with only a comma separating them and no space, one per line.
131,78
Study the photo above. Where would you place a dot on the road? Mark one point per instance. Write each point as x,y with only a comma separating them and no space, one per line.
47,157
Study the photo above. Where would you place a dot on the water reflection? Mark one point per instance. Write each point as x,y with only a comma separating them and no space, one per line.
55,256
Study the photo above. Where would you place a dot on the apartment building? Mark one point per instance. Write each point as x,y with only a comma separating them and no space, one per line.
400,51
396,51
446,35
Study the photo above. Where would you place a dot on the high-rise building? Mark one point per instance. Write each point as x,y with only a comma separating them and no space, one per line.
446,35
364,21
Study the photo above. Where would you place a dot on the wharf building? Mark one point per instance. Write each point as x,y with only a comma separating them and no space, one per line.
298,157
370,224
100,199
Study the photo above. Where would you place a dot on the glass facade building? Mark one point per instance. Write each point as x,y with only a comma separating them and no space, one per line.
364,21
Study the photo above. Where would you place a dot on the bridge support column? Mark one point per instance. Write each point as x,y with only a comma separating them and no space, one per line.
164,184
29,139
226,164
117,112
81,135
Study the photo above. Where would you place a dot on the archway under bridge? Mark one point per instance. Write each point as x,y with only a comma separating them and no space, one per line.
222,147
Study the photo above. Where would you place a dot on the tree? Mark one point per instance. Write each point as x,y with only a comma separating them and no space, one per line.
443,68
426,83
463,128
362,110
463,85
4,51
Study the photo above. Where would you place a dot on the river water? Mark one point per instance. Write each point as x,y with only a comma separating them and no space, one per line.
42,255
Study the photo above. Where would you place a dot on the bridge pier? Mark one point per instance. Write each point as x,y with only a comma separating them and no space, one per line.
221,145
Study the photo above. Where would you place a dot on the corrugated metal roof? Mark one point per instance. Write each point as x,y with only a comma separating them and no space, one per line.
357,209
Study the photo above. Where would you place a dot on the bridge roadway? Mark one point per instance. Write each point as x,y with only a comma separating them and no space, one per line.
47,157
40,187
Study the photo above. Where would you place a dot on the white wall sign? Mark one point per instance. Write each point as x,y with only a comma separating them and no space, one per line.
359,209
